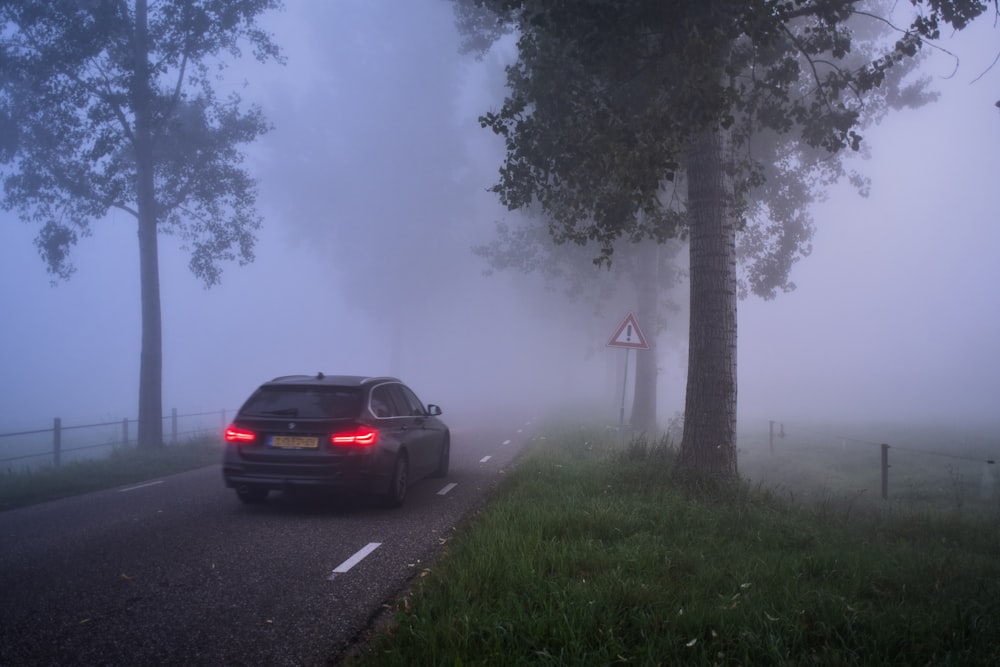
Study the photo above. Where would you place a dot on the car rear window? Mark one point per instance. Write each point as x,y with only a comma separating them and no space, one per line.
304,402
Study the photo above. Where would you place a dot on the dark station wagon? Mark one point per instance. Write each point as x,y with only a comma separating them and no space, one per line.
349,433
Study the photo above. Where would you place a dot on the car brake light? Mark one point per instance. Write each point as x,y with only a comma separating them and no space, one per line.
237,434
364,436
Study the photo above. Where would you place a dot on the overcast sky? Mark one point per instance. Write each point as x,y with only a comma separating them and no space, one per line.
373,190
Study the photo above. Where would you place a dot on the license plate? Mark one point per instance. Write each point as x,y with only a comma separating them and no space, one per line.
294,442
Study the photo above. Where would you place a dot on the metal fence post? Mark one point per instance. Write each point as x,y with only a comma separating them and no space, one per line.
173,426
57,442
125,431
885,471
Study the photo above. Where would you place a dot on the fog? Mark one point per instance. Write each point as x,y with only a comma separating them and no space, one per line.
373,190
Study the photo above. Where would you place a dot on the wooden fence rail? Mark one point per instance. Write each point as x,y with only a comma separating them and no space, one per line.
57,450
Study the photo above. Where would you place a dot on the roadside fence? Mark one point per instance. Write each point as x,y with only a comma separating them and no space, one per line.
61,443
921,468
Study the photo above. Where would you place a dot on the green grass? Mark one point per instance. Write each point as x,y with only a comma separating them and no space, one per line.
123,466
589,555
928,470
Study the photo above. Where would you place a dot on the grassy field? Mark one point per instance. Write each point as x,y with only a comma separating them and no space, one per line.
589,555
930,468
125,465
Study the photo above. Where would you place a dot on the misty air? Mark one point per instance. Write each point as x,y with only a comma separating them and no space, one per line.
494,233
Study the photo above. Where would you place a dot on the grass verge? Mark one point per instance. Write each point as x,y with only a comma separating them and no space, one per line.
590,556
123,466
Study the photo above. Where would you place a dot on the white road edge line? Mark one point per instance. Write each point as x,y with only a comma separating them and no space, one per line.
140,486
447,488
505,442
485,458
355,559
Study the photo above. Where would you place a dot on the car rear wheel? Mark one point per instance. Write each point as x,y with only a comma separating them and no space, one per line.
251,495
396,494
444,460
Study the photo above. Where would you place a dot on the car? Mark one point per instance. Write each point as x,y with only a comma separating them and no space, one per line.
345,433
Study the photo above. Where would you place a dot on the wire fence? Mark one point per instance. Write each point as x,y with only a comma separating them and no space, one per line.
912,468
61,443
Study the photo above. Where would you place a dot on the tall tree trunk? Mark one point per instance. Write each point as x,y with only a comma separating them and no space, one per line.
647,284
151,356
708,446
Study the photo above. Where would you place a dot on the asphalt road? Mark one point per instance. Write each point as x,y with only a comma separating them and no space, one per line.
177,571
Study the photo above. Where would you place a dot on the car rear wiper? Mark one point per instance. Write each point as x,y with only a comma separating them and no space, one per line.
286,412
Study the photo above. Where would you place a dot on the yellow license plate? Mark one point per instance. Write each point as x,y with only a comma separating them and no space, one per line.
294,442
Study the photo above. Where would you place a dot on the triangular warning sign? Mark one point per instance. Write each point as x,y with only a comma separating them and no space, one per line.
629,335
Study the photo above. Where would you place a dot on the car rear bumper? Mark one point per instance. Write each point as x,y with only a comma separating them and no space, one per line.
356,483
360,475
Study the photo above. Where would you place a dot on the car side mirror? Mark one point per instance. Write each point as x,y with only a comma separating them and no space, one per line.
433,410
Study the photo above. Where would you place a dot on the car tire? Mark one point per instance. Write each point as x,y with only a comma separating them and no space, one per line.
251,495
444,460
399,483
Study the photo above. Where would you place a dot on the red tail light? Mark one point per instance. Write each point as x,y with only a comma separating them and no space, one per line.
237,434
363,435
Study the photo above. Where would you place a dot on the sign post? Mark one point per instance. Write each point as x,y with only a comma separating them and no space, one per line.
629,336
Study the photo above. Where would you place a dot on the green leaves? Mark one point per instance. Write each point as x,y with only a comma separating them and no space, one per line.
70,115
605,94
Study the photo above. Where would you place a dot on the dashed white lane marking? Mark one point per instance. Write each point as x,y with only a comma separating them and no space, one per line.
355,559
140,486
447,488
505,442
485,459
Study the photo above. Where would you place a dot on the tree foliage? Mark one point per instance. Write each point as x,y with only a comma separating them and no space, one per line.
112,105
68,103
604,95
611,99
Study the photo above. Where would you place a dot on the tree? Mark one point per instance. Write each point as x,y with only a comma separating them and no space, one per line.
609,99
642,278
110,104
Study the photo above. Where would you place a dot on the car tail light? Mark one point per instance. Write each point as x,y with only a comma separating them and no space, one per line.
364,436
237,434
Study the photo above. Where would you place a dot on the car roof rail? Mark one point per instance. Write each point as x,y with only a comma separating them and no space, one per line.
294,377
